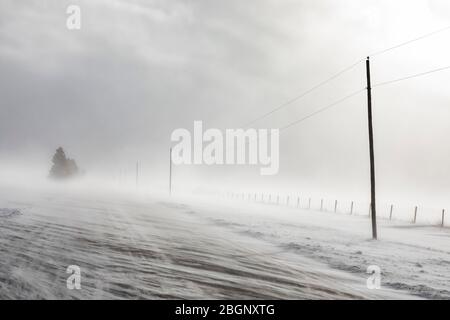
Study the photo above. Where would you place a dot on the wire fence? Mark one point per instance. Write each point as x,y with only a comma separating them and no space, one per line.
420,215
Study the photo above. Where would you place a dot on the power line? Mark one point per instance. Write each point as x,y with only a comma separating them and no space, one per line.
410,77
303,94
323,109
348,68
409,41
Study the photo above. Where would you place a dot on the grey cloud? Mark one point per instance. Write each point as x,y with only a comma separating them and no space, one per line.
114,91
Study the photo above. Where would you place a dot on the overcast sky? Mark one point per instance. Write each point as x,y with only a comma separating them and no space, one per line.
112,92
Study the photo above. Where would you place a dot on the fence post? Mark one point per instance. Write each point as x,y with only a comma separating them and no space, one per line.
287,201
321,204
335,206
390,214
298,202
443,216
415,214
351,208
309,204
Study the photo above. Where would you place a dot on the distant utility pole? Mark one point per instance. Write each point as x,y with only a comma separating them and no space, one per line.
372,153
137,174
170,171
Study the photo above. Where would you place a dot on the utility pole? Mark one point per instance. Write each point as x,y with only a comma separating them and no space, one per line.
170,172
137,174
372,153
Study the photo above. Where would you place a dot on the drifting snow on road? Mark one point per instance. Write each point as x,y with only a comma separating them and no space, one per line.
135,248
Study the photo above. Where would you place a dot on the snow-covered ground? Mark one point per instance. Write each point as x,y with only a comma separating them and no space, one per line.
414,258
132,247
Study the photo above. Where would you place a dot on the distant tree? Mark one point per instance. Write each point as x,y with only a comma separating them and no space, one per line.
63,167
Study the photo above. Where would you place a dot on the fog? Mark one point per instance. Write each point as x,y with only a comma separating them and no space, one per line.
113,92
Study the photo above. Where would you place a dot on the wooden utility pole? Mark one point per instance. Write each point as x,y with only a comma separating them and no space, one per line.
415,215
137,175
372,153
170,171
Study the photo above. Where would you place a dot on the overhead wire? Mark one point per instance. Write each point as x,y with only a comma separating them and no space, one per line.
320,110
341,72
409,77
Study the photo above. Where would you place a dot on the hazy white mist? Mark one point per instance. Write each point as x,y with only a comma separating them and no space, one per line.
112,92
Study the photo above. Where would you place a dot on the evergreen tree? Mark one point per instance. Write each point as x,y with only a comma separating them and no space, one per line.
62,167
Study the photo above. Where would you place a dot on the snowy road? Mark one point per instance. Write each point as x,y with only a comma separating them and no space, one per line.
131,248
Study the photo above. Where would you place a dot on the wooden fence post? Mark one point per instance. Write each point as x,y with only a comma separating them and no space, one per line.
390,214
335,206
351,208
443,217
